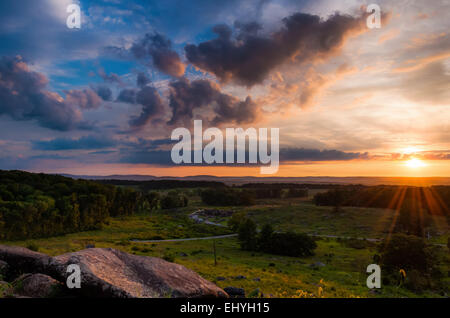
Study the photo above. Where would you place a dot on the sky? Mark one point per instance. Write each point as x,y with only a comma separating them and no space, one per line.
104,99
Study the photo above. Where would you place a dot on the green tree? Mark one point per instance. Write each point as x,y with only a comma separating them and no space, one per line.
235,220
247,235
265,238
411,254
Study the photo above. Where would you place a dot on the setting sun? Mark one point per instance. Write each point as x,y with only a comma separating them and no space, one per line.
415,163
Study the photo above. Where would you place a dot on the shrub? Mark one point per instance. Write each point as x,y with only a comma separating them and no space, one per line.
291,244
265,238
247,235
168,257
235,220
412,255
174,200
268,241
33,247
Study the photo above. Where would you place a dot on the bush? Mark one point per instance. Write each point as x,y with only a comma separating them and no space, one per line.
406,252
291,244
33,247
411,254
265,237
168,257
268,241
235,220
247,235
174,200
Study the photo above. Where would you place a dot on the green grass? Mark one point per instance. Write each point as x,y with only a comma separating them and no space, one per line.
279,276
308,218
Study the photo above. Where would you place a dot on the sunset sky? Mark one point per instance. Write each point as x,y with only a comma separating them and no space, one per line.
104,99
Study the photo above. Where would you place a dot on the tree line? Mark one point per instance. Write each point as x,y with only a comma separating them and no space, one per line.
42,205
415,206
244,196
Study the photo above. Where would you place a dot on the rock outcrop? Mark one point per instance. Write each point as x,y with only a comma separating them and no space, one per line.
37,286
21,260
108,272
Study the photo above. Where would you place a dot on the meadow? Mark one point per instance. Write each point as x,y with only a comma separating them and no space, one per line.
338,268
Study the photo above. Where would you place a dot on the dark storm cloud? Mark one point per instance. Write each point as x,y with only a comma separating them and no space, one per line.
127,95
24,96
248,57
142,79
186,96
155,47
88,143
152,106
303,154
144,154
104,92
159,48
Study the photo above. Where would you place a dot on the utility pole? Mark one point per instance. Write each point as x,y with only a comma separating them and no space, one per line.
214,248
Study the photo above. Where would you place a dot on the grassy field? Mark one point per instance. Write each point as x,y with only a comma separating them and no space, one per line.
344,273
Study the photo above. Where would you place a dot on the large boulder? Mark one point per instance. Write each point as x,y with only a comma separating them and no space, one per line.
22,260
37,286
108,272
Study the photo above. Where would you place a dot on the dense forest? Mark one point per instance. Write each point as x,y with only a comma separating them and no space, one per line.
40,205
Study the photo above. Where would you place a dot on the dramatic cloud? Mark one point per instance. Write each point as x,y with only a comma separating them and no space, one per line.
302,154
85,99
127,95
142,80
156,47
160,49
152,106
86,143
248,58
146,96
24,96
314,83
144,153
104,92
187,96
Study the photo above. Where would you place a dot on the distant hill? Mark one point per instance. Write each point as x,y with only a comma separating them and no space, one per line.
412,181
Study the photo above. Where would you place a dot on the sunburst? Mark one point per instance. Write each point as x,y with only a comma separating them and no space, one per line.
415,163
